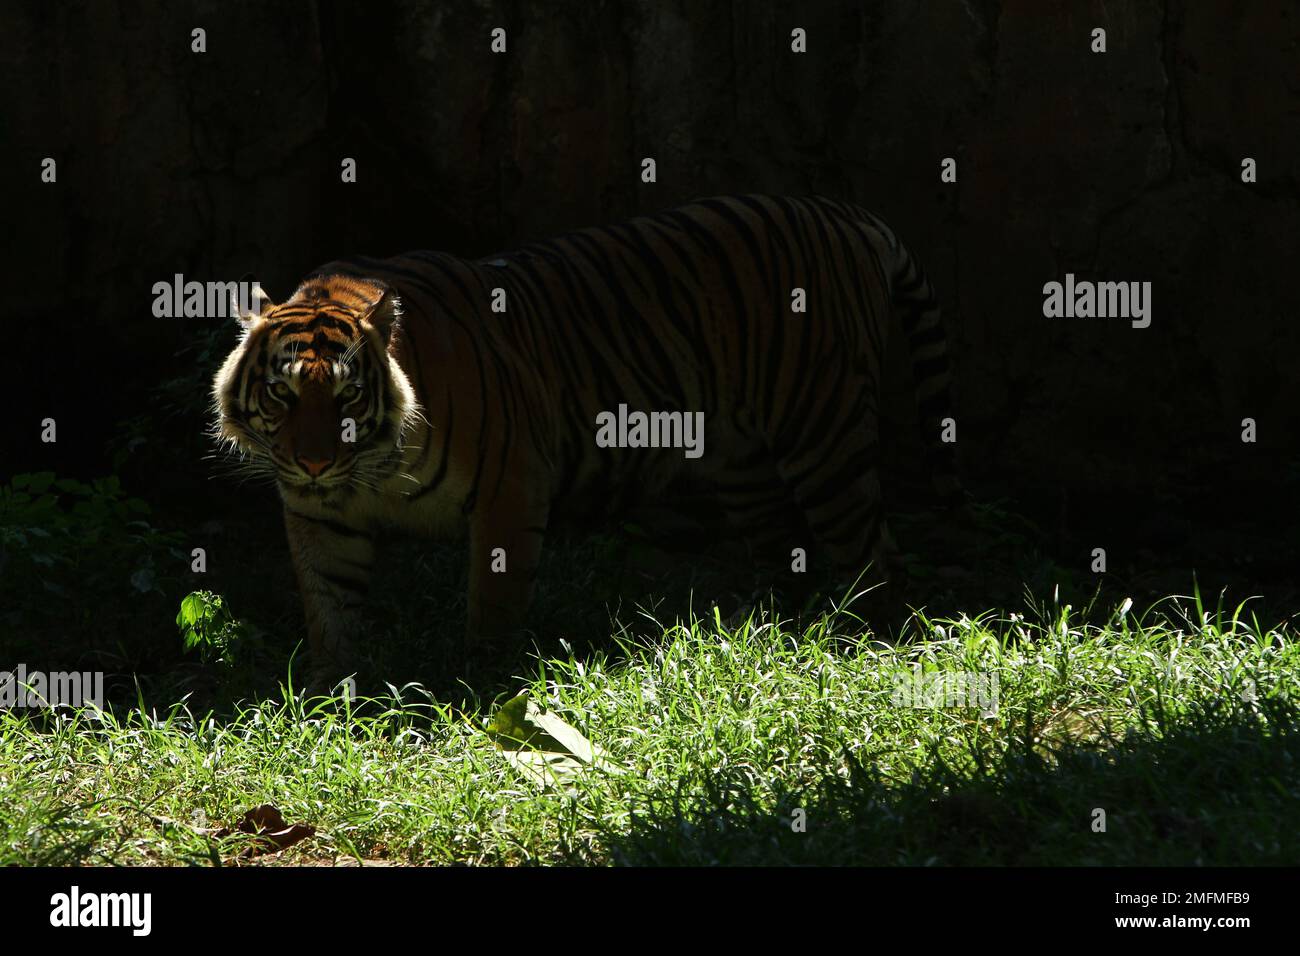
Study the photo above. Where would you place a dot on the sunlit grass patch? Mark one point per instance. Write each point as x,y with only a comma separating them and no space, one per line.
1161,738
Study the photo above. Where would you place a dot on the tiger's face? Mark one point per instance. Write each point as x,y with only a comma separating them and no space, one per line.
311,397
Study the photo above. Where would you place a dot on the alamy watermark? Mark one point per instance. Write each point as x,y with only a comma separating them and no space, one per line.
1083,299
624,429
206,300
133,911
938,689
39,689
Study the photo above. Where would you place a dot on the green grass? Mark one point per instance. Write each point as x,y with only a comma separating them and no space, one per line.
1180,725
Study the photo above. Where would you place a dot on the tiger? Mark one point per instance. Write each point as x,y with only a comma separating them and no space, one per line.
460,398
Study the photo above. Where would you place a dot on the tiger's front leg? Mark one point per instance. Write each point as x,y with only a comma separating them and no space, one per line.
505,547
333,562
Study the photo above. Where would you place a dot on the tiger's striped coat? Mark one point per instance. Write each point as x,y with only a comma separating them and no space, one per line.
475,422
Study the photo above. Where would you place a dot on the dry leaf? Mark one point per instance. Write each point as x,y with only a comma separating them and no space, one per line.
274,834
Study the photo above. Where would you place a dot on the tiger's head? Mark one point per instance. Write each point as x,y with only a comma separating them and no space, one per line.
311,396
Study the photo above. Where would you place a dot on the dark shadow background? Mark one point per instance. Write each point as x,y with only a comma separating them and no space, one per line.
1122,166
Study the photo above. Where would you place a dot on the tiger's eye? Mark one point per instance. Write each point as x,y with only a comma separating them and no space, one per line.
281,391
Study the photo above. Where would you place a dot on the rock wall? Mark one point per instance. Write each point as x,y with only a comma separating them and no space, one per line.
1116,166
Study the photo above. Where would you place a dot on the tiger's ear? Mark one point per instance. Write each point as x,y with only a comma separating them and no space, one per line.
249,302
384,315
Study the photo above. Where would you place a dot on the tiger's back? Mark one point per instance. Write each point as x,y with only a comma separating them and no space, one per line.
688,310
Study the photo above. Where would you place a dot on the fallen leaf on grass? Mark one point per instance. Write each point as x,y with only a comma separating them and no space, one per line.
542,767
263,821
540,745
273,833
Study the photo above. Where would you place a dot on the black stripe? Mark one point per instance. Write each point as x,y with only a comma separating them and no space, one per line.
441,473
343,583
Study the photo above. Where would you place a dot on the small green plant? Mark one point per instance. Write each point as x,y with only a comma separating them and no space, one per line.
207,625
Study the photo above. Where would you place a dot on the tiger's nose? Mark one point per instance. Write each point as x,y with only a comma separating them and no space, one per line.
315,466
